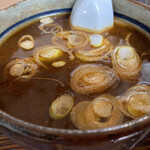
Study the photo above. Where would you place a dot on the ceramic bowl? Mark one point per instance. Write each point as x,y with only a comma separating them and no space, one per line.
36,137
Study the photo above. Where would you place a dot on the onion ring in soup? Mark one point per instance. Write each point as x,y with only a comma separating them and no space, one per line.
24,68
48,53
94,55
61,106
26,42
50,28
126,63
92,78
99,113
78,115
75,39
136,101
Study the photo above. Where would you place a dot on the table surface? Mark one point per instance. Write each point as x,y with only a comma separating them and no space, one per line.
6,144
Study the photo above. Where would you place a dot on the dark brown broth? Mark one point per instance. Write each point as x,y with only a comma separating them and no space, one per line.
29,100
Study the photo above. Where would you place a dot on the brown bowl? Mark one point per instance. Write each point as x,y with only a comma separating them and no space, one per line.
32,136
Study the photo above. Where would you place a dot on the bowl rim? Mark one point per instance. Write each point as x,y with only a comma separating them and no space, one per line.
19,125
140,3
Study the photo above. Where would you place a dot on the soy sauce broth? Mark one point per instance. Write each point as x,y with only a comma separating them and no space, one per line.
29,100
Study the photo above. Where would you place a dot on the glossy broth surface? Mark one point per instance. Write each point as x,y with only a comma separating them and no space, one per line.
29,100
